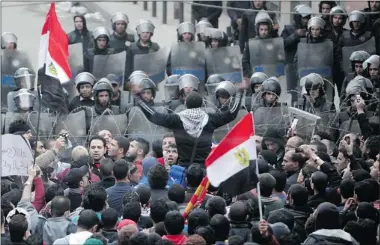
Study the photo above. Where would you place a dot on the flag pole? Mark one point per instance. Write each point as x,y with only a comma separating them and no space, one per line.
258,183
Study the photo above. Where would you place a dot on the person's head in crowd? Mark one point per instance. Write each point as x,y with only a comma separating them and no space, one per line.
110,217
176,193
364,231
293,143
78,178
290,239
346,189
216,205
97,148
375,169
283,216
305,176
19,229
20,127
159,228
132,211
6,206
153,238
170,154
144,194
318,182
134,175
375,190
131,196
194,175
273,141
60,207
267,184
269,156
96,239
280,180
174,223
105,134
360,174
366,210
139,238
126,222
327,216
343,160
351,137
158,177
34,239
279,230
14,196
123,236
236,240
173,206
317,146
49,144
310,224
118,148
95,198
258,139
363,191
164,242
38,145
88,221
156,149
83,161
238,212
106,167
195,240
197,217
371,147
207,233
332,150
167,140
298,195
158,210
147,163
138,148
220,224
78,152
252,207
121,170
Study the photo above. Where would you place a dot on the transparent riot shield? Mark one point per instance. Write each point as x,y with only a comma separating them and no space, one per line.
153,64
76,58
75,125
46,126
349,126
116,124
110,64
306,122
271,117
221,132
369,47
225,61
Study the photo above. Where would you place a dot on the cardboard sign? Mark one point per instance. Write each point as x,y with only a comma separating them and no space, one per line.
16,155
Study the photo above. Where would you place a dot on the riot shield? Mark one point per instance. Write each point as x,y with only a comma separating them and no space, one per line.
140,126
153,64
306,122
188,58
171,92
47,124
11,117
76,58
221,132
2,122
71,89
349,126
369,47
180,108
12,107
75,125
315,58
268,56
110,64
11,60
271,117
225,61
116,124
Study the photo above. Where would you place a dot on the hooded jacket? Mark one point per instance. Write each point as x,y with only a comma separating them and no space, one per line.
54,228
270,204
330,237
274,135
74,239
301,214
85,37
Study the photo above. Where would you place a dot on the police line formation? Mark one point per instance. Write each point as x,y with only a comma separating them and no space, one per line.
316,71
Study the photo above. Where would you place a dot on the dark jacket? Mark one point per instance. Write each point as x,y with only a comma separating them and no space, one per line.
111,235
348,39
316,199
291,40
212,14
84,37
371,18
88,59
330,237
137,48
118,43
185,142
52,229
75,198
301,214
107,182
78,102
156,194
116,194
241,229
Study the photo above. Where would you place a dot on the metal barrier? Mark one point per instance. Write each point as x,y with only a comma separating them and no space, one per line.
178,13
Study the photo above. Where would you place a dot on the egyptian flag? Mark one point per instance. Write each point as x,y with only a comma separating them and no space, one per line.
234,152
53,62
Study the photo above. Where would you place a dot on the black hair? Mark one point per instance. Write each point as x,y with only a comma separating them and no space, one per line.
81,161
373,145
131,196
18,126
143,144
110,218
158,177
320,181
220,224
122,143
144,193
53,190
366,210
172,205
347,188
34,239
363,191
139,238
132,211
6,206
238,212
216,205
176,193
159,228
14,196
174,222
290,239
97,137
158,210
164,242
320,146
252,207
299,194
282,215
87,219
59,205
18,225
360,174
99,237
94,198
207,233
120,169
106,167
267,184
153,238
280,179
236,240
157,148
194,175
197,217
323,156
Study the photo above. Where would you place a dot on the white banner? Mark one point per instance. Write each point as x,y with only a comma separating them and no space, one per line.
16,155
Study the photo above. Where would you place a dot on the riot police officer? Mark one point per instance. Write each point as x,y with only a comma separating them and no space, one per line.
256,81
186,84
200,29
358,33
338,18
84,83
145,31
270,93
81,34
216,38
357,58
101,38
115,100
185,33
148,92
120,39
224,92
264,26
24,100
103,92
8,41
211,85
371,67
325,8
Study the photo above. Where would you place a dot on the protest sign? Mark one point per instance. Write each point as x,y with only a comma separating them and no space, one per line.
16,155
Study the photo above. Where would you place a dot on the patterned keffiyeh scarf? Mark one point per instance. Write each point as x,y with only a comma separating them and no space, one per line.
193,121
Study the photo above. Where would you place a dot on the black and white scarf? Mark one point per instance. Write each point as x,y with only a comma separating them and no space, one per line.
193,121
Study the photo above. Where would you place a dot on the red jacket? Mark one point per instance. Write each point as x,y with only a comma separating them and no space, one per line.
176,239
